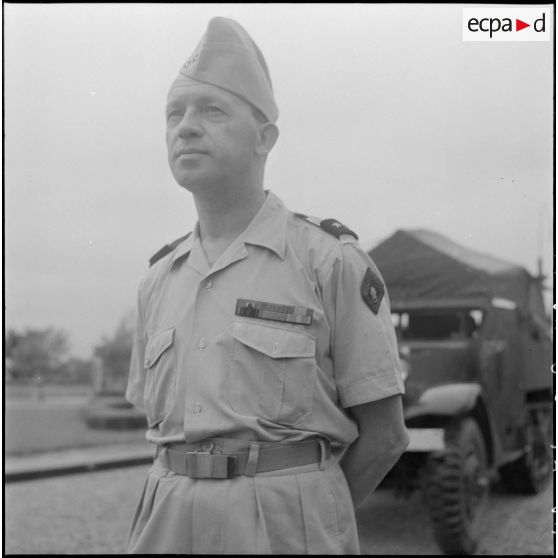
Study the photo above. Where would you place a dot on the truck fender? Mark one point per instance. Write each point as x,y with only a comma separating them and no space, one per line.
447,400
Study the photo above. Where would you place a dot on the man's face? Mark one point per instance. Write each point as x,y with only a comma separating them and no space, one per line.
211,136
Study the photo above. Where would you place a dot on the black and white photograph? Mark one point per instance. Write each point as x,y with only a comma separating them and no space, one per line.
279,278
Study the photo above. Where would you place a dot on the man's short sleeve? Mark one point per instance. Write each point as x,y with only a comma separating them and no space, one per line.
136,378
363,343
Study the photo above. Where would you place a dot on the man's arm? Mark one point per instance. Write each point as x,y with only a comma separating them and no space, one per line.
382,439
136,378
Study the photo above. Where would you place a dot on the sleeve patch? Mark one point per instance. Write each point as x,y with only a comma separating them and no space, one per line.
372,290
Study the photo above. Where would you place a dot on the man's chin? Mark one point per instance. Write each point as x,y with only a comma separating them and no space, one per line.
189,186
193,184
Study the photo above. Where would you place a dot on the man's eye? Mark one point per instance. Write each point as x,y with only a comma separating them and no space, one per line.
174,115
214,111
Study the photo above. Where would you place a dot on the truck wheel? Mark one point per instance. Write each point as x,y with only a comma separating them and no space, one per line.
457,488
533,470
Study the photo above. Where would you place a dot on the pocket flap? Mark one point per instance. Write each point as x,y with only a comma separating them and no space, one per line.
274,342
157,345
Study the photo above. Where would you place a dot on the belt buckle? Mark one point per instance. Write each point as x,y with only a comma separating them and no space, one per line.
207,465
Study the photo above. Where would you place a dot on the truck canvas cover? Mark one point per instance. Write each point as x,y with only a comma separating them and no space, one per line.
421,267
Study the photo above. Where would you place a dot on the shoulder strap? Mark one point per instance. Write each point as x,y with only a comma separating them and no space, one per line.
166,249
331,226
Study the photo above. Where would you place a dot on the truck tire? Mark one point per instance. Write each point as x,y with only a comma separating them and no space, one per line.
456,488
531,473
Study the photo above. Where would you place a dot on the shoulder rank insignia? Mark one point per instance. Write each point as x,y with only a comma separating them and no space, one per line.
332,226
166,249
372,290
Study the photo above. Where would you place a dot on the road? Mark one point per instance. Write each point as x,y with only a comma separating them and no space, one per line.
91,513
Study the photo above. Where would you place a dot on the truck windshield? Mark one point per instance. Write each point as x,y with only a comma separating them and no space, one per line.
437,325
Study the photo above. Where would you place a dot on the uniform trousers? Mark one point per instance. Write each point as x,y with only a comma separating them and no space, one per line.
300,510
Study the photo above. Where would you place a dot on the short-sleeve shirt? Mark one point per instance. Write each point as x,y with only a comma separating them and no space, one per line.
204,364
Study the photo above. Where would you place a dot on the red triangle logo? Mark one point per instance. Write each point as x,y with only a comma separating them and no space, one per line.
519,25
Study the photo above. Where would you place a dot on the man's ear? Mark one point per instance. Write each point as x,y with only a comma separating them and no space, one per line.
268,134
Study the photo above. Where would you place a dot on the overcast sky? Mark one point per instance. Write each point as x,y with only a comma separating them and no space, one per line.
388,121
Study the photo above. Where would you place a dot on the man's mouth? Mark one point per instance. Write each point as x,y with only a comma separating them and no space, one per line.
189,151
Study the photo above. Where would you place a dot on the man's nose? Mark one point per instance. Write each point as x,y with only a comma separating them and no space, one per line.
190,123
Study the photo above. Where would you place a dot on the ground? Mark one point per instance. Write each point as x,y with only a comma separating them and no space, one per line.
55,422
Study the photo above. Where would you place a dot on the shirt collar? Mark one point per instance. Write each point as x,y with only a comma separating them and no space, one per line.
185,247
266,229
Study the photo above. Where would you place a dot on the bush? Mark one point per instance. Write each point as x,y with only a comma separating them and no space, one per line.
114,413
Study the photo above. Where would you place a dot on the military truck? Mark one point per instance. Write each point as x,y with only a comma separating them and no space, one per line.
476,347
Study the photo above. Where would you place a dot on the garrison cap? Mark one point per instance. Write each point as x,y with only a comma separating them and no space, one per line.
228,58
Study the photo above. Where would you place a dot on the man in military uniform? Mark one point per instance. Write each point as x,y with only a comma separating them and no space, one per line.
264,357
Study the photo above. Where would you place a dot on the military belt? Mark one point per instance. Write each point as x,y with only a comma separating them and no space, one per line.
259,457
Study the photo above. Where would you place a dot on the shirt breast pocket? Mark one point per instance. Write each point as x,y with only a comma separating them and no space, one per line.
273,372
160,382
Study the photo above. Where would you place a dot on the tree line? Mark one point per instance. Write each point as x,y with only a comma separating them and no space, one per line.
43,356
